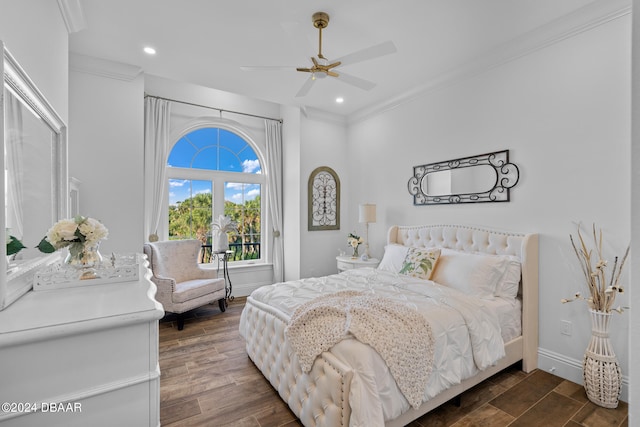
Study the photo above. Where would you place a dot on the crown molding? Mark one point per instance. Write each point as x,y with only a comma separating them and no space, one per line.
311,113
103,67
72,14
583,19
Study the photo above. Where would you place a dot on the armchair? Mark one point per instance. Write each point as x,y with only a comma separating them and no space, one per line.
182,283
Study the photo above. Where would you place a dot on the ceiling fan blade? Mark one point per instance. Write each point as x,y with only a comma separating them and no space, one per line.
334,65
266,68
306,87
372,52
305,70
356,81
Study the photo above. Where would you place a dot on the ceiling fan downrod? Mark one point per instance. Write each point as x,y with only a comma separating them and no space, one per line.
320,21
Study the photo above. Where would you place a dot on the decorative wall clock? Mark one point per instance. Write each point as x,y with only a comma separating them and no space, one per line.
324,199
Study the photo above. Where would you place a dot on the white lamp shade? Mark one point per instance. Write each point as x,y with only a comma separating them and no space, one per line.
367,213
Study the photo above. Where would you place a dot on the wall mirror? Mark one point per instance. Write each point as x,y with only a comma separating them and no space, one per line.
483,178
34,183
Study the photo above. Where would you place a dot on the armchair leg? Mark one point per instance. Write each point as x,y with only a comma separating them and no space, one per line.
180,321
223,304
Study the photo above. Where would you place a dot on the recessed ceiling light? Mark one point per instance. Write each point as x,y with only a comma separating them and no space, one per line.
149,50
339,100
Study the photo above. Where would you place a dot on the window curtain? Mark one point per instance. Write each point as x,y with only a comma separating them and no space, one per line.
156,141
14,164
274,166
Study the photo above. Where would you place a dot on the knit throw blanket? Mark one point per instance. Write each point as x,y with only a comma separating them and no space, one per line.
401,336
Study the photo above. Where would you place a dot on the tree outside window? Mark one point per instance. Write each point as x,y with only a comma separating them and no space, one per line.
190,215
242,205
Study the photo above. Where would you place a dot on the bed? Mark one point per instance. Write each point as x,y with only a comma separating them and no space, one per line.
474,335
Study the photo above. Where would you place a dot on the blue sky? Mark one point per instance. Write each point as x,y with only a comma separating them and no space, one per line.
213,149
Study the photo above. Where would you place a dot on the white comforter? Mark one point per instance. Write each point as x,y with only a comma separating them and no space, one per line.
467,336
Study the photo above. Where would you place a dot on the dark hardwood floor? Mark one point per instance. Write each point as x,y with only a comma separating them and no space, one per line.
208,380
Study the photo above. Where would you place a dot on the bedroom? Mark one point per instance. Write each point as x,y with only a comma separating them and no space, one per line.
563,109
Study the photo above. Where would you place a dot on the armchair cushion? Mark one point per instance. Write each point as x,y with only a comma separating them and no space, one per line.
192,289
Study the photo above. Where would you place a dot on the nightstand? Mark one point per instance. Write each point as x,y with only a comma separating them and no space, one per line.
347,263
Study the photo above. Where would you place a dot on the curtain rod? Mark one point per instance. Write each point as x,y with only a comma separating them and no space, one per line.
211,108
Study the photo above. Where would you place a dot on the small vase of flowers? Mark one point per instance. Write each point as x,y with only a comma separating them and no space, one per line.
82,236
354,241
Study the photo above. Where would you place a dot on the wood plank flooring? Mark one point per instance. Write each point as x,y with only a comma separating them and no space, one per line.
208,381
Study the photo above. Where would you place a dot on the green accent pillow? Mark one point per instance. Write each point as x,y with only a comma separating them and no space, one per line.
420,262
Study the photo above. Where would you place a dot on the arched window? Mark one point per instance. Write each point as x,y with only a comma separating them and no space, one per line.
214,171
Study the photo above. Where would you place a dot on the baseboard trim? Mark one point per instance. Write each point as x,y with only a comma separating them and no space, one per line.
571,369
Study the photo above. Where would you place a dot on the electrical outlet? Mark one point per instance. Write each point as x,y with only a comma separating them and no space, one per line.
565,327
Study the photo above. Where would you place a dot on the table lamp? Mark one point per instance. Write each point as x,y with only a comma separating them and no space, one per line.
367,215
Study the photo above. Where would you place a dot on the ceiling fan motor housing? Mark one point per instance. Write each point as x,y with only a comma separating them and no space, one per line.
320,20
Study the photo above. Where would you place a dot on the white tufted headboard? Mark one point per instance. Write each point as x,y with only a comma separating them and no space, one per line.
492,242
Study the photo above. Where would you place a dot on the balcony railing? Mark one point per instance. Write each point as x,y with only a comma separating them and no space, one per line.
239,252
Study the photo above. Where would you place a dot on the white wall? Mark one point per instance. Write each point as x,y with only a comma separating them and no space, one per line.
292,221
323,143
634,315
35,34
563,112
159,86
106,151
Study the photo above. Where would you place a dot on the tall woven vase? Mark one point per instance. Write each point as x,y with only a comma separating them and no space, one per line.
601,370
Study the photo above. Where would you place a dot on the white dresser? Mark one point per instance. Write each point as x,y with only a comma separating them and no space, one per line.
84,356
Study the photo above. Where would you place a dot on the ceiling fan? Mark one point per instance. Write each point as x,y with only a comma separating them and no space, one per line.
322,67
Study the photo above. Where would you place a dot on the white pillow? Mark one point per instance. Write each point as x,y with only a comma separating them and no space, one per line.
473,274
393,258
509,284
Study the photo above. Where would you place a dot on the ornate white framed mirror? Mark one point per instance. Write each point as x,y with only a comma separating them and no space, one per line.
35,180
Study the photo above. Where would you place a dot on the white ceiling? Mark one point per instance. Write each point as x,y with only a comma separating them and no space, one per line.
207,41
